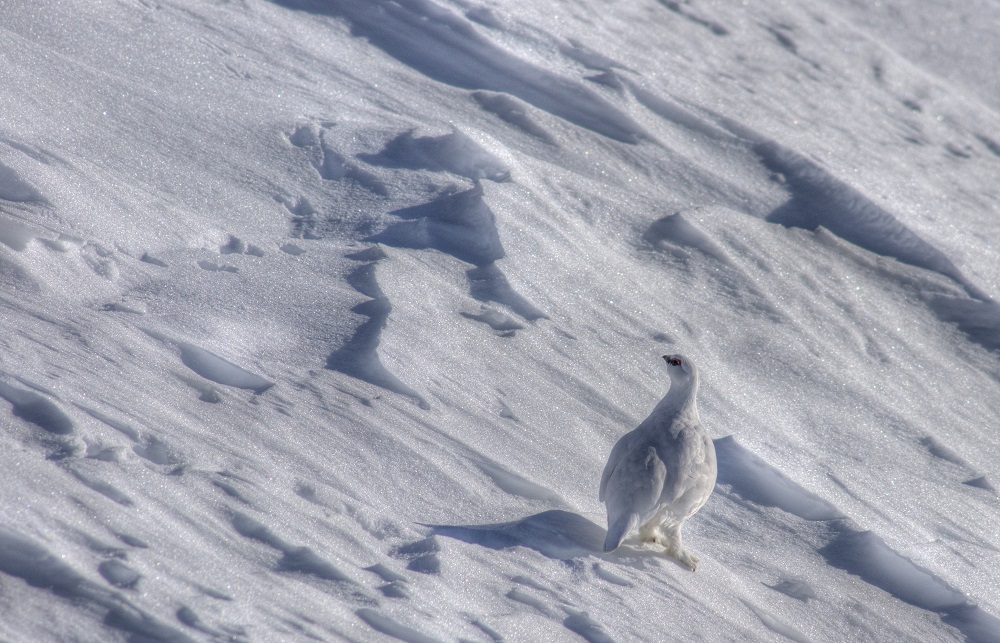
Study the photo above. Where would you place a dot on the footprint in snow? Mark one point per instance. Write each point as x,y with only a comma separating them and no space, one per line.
395,584
581,623
422,555
235,245
149,447
231,491
119,574
189,617
684,11
305,219
211,266
153,261
14,234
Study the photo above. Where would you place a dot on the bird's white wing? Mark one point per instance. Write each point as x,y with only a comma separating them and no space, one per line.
617,452
634,486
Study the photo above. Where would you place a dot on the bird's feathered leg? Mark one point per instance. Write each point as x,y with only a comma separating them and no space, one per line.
668,535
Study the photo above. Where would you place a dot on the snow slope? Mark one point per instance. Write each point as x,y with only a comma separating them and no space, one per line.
321,317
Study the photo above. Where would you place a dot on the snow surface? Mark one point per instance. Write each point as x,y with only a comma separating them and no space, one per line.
321,317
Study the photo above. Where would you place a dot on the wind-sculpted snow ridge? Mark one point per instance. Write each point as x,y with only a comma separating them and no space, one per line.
820,199
385,624
866,555
14,234
675,113
294,558
564,535
859,552
940,450
462,225
358,357
675,231
517,485
448,48
512,111
22,557
756,481
329,163
856,504
459,224
37,409
495,320
589,58
454,152
979,319
13,187
488,283
214,368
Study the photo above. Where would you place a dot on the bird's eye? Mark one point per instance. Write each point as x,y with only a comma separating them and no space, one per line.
675,362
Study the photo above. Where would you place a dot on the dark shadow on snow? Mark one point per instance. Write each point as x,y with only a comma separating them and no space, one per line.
555,534
462,225
358,356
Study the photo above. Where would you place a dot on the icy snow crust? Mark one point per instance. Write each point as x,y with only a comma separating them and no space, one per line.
321,318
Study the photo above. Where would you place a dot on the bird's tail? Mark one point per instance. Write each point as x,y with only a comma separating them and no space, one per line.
618,529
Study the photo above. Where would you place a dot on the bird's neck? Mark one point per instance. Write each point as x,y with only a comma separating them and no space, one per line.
681,398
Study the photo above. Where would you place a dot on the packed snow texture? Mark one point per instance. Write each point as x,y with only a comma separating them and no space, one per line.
321,317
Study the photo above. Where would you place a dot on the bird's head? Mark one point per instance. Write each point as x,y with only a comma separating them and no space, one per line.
680,367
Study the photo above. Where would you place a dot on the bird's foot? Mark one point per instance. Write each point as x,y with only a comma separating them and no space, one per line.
685,558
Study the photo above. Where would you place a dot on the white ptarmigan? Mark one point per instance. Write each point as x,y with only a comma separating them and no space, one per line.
663,471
